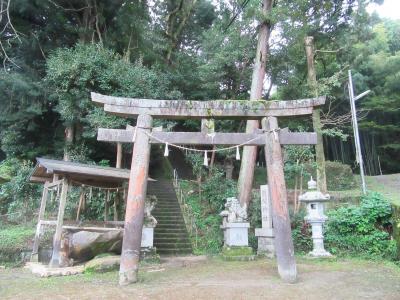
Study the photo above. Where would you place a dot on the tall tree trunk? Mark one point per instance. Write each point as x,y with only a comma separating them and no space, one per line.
316,116
69,140
246,174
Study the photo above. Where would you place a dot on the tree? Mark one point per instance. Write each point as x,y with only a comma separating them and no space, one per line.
72,73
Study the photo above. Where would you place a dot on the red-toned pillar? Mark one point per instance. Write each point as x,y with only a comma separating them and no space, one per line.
280,214
128,272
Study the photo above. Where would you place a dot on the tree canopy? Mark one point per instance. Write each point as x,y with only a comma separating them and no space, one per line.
56,52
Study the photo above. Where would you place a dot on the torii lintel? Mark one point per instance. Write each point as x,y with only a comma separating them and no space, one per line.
215,109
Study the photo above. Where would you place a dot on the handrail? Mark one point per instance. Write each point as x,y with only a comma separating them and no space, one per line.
187,211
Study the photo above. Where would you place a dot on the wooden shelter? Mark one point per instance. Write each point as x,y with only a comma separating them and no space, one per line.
46,169
57,176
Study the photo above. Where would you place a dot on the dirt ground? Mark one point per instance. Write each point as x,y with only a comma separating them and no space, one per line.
216,279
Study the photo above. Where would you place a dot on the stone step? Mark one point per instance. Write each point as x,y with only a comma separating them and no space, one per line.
167,207
175,243
173,246
174,251
170,232
171,223
170,227
162,218
167,211
161,239
166,217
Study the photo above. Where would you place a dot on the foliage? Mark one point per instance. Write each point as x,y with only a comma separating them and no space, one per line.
72,73
361,230
206,206
18,196
23,129
13,240
339,176
301,232
297,158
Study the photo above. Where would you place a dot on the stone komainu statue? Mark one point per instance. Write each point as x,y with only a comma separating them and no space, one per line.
149,205
234,212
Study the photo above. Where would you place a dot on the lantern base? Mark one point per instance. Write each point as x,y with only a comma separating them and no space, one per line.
319,253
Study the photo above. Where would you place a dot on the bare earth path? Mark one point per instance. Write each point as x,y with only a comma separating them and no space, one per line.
216,279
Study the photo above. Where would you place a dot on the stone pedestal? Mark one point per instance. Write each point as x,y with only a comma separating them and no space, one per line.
236,234
147,237
265,246
318,240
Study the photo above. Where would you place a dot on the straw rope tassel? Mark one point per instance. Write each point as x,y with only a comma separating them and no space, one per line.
166,151
237,153
205,162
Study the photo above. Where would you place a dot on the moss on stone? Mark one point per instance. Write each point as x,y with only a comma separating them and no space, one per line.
237,253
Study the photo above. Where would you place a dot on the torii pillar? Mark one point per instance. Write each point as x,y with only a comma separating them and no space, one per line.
128,271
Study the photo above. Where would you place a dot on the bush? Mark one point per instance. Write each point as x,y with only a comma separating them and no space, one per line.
361,230
339,176
206,205
14,239
19,197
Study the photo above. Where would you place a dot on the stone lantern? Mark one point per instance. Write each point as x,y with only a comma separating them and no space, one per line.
314,200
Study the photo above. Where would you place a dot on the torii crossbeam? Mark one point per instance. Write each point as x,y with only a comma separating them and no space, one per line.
271,137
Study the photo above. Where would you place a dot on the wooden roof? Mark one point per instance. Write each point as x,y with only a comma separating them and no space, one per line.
79,173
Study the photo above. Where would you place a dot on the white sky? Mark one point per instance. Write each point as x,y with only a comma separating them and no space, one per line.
389,9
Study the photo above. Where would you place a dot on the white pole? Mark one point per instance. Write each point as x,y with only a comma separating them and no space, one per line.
356,134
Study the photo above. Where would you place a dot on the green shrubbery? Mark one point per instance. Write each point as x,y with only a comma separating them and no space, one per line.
206,199
19,198
14,239
361,230
358,230
340,176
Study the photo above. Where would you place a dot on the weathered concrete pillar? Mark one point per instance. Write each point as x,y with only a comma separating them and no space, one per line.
134,214
276,181
265,234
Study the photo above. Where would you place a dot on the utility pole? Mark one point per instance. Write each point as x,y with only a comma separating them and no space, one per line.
355,129
246,175
316,115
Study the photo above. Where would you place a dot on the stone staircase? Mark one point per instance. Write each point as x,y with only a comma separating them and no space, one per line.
170,234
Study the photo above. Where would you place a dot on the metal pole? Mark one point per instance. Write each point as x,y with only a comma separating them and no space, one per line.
356,133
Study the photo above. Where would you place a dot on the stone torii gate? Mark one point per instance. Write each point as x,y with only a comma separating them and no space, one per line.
271,137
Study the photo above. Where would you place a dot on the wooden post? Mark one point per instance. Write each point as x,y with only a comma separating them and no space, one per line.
119,156
281,221
245,181
80,205
116,201
106,205
118,166
316,116
55,258
35,248
134,214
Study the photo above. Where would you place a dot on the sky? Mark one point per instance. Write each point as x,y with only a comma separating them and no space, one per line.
389,9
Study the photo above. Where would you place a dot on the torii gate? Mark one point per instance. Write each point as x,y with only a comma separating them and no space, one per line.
271,137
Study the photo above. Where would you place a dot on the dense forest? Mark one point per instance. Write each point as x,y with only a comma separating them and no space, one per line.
55,52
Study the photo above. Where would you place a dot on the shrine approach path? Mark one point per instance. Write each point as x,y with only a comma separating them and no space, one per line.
216,279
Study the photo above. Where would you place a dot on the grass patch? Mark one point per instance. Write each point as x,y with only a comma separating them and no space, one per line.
14,239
